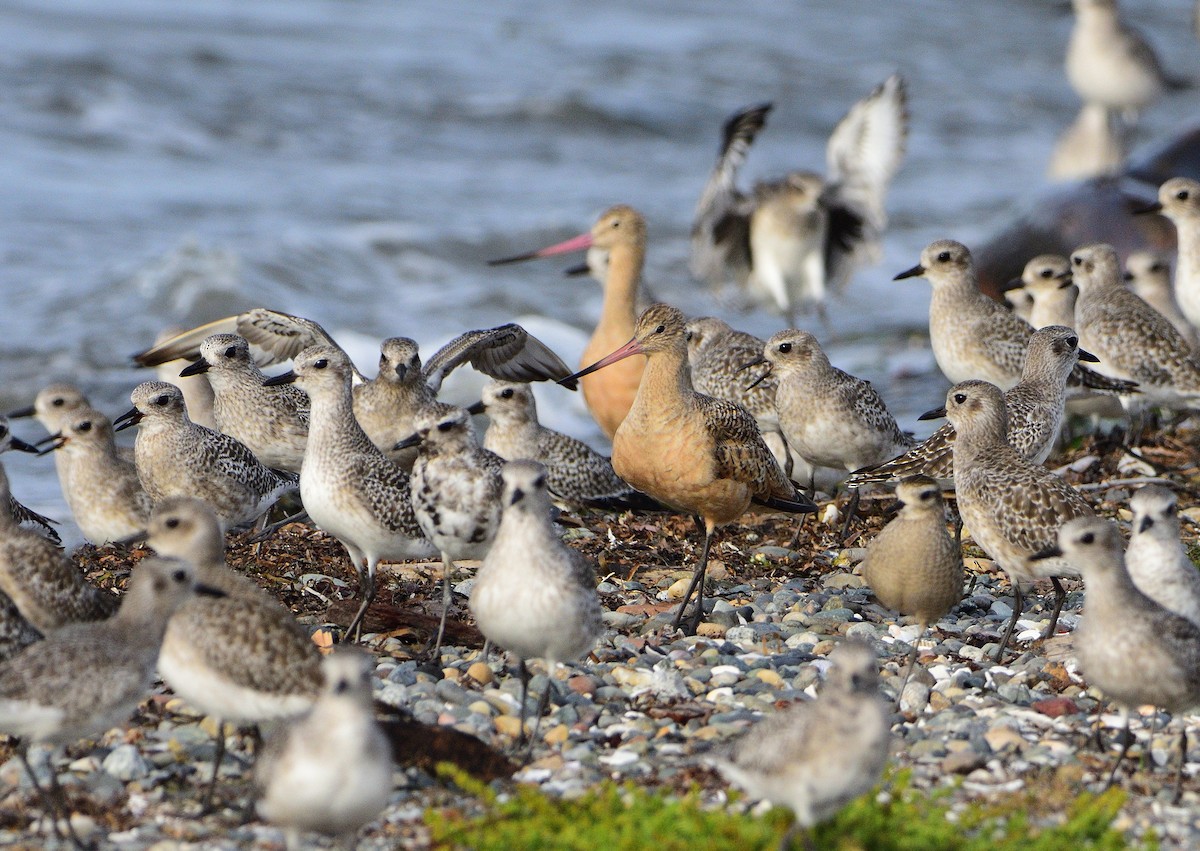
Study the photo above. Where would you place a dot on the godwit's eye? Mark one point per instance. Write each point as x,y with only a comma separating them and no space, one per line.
85,426
785,347
960,398
506,393
321,363
1088,538
231,351
660,329
943,257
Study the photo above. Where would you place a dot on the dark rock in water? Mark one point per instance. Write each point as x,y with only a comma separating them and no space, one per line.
1069,215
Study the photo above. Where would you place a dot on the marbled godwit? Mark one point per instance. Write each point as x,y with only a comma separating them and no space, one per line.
621,231
817,756
1128,646
793,240
691,452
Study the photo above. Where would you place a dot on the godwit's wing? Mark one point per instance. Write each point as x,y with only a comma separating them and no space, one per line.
507,352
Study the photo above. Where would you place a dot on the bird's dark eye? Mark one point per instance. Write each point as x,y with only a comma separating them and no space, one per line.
172,523
86,425
321,363
1169,510
59,402
341,687
1182,194
785,347
960,397
660,329
616,223
943,256
539,482
1078,261
1088,538
1047,273
926,496
506,393
162,400
1072,341
1157,267
179,576
231,351
446,426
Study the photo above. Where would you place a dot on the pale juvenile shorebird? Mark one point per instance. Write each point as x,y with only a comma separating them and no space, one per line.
1110,63
621,231
1047,280
1013,508
47,587
817,756
272,422
455,494
576,474
1019,302
975,337
1034,408
828,416
913,565
106,497
176,457
1095,144
792,241
691,452
331,771
24,515
84,679
1132,339
1158,562
388,406
1127,645
1179,201
535,596
1148,274
197,391
241,658
717,357
349,489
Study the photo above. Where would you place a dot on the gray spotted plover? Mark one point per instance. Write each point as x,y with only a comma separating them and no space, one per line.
1157,560
1132,339
1012,507
455,494
691,452
1109,62
46,586
388,406
817,756
272,422
793,240
1179,201
331,771
176,457
106,497
975,337
717,356
1128,646
1035,413
86,678
576,473
349,489
242,657
913,565
1047,279
1148,274
829,417
535,596
621,231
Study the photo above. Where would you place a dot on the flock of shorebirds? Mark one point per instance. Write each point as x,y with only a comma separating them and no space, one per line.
704,420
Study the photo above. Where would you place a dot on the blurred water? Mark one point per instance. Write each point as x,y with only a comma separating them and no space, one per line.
357,161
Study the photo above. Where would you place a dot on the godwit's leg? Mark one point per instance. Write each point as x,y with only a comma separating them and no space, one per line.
697,583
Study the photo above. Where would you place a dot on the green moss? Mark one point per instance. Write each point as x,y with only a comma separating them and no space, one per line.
615,816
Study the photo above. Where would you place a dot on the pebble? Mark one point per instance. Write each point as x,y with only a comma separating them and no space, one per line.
125,762
481,673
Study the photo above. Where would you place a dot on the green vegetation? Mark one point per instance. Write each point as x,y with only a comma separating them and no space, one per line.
626,816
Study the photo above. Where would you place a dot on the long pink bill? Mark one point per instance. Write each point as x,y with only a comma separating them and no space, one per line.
633,347
575,243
